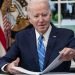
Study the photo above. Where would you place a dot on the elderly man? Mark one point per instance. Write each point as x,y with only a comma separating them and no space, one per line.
40,43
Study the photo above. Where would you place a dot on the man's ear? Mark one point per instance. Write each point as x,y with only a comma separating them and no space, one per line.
50,15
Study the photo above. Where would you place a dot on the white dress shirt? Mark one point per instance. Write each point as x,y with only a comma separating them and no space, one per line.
45,35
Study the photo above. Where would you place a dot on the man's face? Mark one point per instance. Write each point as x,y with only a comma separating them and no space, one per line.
40,17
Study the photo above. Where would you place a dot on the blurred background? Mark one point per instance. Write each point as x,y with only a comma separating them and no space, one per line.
63,15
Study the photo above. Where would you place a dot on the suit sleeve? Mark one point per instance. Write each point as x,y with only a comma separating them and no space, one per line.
72,41
11,55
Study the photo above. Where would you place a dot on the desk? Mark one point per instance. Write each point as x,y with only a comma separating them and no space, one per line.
55,73
60,74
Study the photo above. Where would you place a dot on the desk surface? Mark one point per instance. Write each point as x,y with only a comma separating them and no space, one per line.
60,74
53,74
47,74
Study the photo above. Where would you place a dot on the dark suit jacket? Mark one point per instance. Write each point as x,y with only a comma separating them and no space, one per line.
25,48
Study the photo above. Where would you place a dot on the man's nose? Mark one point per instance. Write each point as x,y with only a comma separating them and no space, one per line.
40,19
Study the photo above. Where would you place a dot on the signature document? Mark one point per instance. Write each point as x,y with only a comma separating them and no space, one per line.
52,66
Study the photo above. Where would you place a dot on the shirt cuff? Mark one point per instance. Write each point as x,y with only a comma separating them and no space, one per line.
4,67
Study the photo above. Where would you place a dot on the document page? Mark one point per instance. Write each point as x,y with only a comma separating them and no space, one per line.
53,65
22,70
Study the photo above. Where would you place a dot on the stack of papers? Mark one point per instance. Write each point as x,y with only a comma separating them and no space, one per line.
52,66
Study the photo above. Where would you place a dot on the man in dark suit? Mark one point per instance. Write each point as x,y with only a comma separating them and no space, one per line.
55,40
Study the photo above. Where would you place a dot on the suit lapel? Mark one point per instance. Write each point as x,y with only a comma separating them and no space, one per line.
33,48
50,45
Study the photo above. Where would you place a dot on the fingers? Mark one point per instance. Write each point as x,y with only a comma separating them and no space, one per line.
67,54
16,62
12,71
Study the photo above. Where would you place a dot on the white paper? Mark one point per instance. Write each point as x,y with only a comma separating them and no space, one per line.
22,70
53,65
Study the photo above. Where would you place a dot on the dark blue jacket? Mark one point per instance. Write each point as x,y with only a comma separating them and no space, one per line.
25,48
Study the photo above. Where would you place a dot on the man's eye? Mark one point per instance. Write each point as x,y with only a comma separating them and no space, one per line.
36,16
44,14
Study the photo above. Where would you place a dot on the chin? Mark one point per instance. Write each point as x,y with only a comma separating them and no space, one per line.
42,31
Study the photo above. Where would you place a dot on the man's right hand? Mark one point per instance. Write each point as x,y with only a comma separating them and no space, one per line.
9,67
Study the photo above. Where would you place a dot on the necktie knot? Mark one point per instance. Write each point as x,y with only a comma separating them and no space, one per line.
40,37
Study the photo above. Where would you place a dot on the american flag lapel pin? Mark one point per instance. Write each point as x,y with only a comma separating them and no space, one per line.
54,36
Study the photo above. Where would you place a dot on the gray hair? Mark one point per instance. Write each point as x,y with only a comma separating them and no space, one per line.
36,1
32,2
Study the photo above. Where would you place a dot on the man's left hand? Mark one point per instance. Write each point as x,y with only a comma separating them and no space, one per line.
67,54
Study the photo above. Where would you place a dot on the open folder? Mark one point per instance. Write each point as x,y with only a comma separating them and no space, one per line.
52,66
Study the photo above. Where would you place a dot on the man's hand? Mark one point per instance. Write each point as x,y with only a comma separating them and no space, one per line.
67,54
9,67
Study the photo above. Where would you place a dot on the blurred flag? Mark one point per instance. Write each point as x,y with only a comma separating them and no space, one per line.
7,31
2,50
2,43
2,38
5,36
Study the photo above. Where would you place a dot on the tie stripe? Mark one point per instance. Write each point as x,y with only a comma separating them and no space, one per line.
41,52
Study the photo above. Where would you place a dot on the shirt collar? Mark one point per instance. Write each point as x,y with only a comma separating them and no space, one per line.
46,35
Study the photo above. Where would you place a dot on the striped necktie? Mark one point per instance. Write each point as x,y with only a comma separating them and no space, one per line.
41,52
